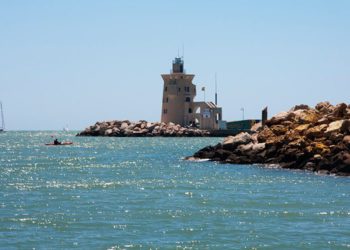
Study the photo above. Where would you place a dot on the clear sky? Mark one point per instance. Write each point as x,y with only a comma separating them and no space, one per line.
77,62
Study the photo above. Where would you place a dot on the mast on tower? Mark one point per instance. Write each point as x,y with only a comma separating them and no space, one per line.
216,91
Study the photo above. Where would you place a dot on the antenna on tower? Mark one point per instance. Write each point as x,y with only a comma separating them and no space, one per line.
183,51
216,91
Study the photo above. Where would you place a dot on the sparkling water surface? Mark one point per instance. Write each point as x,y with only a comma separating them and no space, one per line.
139,193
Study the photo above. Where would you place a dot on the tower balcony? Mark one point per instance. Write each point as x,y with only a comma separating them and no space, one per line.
176,72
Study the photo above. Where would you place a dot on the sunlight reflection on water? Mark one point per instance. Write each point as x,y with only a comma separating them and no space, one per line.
119,193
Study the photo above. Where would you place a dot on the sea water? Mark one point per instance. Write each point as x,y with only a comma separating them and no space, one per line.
139,193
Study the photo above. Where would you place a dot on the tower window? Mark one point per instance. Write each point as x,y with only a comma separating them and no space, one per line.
179,89
188,99
187,89
190,110
167,99
165,111
165,89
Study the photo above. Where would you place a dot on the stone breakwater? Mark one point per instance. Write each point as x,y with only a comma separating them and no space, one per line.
316,139
140,128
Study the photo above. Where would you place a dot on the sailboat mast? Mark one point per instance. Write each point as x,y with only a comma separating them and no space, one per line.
2,117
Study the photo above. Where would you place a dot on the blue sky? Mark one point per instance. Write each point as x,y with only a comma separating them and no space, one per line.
77,62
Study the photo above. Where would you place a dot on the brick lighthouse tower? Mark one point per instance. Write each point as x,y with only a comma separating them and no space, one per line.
178,94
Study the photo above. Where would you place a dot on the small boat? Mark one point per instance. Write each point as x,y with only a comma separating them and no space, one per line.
62,144
2,128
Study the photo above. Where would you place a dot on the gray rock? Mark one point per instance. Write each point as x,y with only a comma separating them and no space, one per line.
300,106
324,107
280,117
140,128
123,126
257,127
128,132
96,128
131,126
244,148
232,142
108,132
304,138
258,147
339,110
335,126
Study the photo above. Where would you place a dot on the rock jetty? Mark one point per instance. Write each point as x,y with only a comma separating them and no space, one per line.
316,139
140,129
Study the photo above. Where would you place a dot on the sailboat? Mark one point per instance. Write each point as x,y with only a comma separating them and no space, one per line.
2,128
65,129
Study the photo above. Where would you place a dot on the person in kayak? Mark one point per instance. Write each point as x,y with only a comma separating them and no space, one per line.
56,142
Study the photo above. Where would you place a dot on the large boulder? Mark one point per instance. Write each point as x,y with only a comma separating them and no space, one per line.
346,141
280,117
232,142
346,127
304,116
324,107
265,135
300,106
124,125
257,127
108,132
96,128
303,138
339,110
258,147
302,128
316,131
341,126
279,129
140,128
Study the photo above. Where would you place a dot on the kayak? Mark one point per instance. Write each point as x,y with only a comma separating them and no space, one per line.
62,144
